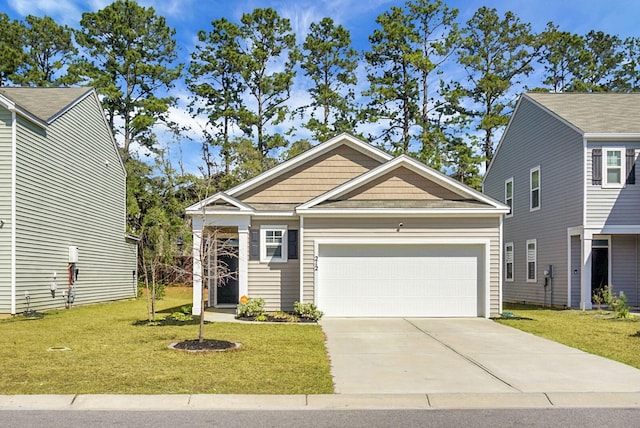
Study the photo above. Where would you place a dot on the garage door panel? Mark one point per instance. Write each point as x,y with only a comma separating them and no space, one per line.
399,280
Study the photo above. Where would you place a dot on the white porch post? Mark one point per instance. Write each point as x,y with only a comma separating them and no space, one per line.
197,277
243,260
585,289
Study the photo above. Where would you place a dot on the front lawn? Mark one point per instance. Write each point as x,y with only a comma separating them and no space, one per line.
596,332
109,353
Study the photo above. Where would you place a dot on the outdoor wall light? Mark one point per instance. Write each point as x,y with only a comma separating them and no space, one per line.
401,224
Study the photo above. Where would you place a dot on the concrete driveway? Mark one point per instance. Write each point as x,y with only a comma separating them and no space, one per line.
475,355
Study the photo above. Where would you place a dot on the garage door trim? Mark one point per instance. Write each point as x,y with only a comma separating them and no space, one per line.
485,243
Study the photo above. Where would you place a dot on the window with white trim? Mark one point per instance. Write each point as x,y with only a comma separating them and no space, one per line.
273,244
613,167
508,261
534,186
508,195
532,260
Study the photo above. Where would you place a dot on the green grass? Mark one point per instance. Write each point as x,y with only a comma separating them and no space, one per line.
596,332
110,354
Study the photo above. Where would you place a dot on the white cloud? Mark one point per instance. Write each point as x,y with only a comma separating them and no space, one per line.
62,11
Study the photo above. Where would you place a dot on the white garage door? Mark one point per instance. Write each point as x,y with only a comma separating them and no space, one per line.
400,280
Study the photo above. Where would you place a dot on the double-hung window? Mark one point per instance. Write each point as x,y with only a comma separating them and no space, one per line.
508,195
534,186
613,167
508,261
273,241
532,260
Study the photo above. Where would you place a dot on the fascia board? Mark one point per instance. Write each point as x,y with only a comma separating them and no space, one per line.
104,119
612,136
197,207
73,104
377,212
310,154
504,134
13,107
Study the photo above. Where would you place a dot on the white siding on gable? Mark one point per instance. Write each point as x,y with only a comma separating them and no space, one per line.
5,210
611,205
71,192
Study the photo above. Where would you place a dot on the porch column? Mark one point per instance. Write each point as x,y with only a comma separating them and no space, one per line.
585,286
197,269
243,261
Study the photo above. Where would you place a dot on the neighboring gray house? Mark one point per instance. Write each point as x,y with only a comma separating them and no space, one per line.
358,232
566,166
62,201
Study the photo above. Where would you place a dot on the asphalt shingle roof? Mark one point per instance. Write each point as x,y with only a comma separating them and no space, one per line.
611,113
43,103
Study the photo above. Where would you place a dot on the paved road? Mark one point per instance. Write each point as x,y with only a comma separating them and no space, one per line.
462,355
320,419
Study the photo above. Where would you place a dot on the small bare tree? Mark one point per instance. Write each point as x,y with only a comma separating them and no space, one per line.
214,248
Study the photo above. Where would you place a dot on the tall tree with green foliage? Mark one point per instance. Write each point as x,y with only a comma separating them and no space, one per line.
49,49
406,53
436,35
267,58
495,53
628,75
559,50
130,60
330,62
11,47
214,78
393,87
597,63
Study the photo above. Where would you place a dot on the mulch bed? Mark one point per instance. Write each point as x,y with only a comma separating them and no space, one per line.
277,319
206,345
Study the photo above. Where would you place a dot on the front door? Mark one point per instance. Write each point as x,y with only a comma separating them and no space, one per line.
599,269
227,291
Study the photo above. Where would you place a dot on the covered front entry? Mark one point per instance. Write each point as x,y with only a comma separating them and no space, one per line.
401,280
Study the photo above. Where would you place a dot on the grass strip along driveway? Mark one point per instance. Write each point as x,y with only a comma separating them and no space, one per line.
596,332
109,353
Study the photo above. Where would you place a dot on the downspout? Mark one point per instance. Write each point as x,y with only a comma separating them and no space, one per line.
14,161
637,295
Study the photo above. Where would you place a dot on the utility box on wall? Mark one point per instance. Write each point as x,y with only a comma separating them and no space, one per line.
73,254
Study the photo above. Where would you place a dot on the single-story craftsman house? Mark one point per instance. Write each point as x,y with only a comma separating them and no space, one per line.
360,233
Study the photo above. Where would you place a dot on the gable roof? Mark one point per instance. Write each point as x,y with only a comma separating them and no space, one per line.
308,155
469,198
44,104
593,113
228,206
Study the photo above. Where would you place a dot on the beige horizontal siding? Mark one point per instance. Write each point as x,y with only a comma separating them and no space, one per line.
401,183
277,283
312,178
414,228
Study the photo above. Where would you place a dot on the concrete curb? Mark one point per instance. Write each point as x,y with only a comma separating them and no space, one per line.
185,402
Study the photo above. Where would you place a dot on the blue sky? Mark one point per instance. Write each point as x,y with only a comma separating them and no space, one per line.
618,17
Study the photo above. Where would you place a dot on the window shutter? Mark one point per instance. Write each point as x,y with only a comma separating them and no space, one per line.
254,244
631,166
292,244
596,167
